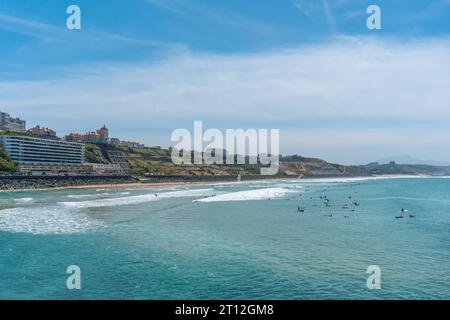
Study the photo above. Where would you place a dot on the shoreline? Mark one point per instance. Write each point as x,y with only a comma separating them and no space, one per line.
143,185
139,185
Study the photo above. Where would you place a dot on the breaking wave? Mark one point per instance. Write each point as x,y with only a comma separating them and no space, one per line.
259,194
137,199
81,196
46,220
24,200
355,179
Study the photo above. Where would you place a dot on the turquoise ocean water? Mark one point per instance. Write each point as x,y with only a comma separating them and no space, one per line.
230,241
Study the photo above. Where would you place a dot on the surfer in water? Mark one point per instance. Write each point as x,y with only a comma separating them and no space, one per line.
410,215
402,213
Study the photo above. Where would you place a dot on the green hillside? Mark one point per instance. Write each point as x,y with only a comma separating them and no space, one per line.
157,161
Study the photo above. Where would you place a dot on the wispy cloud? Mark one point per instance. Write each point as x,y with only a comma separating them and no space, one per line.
329,16
193,10
317,9
303,6
30,28
53,33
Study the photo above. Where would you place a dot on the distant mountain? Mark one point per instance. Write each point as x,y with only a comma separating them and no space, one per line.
405,159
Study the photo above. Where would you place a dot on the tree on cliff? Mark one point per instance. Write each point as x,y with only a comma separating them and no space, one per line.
6,164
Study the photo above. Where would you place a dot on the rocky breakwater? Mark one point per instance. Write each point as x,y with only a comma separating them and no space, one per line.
41,182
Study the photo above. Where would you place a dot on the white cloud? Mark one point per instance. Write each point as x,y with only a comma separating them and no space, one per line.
354,85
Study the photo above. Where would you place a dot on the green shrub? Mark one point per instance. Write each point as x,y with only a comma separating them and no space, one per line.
6,164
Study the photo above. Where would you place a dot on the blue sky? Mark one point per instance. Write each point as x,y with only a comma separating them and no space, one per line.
308,67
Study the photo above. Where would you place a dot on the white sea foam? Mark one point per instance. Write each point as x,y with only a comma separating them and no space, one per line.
138,199
259,194
46,220
92,195
186,193
257,186
24,200
354,179
81,196
287,185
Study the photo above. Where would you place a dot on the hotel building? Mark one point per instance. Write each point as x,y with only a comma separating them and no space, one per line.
31,150
8,123
99,136
42,132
